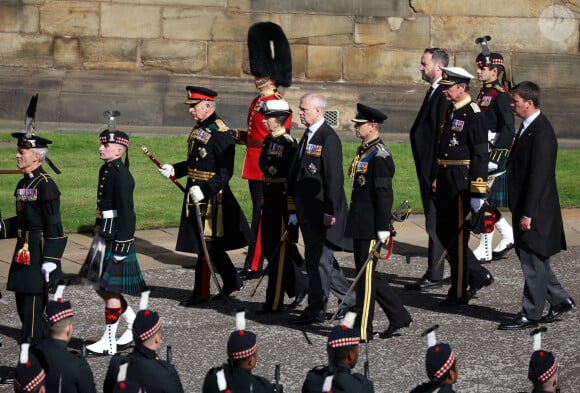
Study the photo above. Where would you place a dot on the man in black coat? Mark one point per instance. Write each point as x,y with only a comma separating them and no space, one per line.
317,182
369,221
536,214
209,167
423,136
40,237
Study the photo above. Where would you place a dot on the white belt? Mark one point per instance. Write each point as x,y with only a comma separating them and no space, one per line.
109,214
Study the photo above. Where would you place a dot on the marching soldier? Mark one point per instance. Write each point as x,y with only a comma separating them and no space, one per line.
277,208
543,367
369,221
115,228
236,375
145,369
29,376
495,102
461,184
40,237
65,371
271,65
209,167
343,351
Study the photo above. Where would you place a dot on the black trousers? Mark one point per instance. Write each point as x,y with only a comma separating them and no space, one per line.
30,308
225,268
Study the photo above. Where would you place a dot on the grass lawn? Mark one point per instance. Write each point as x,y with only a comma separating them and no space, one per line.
158,200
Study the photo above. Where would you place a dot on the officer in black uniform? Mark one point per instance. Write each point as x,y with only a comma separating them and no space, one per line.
209,167
40,237
461,184
369,221
29,376
236,375
153,374
343,352
278,209
66,371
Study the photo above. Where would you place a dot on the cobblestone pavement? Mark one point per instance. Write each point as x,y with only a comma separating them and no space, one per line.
489,360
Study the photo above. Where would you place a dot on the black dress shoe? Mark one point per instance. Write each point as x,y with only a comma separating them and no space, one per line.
298,301
556,312
193,301
520,322
423,284
453,302
308,318
341,313
250,274
496,255
473,289
391,330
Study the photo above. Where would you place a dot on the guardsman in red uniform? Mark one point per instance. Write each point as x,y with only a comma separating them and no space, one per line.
495,102
271,67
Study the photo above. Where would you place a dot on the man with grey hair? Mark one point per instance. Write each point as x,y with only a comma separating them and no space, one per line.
317,183
40,237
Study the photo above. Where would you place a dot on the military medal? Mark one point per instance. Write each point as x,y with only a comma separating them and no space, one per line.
275,149
454,142
272,170
362,167
361,180
485,101
457,125
312,168
202,152
26,194
313,150
202,136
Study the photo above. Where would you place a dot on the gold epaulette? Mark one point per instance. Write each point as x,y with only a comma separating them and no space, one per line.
475,107
289,138
478,186
221,125
500,88
278,95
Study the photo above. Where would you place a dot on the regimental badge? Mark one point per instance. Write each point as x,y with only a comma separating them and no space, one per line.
312,168
457,125
275,149
26,194
361,180
202,152
485,101
202,136
313,150
259,105
272,170
362,167
454,142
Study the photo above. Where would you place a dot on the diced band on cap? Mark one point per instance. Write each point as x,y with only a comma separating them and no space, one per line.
343,342
244,353
446,366
150,332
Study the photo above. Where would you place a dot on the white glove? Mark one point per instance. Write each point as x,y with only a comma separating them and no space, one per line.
46,269
476,204
383,236
491,166
166,171
491,136
119,258
195,194
292,219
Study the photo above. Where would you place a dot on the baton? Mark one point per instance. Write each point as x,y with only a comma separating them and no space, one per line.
11,172
206,252
282,240
375,249
156,162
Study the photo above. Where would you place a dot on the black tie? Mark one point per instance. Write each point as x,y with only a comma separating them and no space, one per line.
427,96
304,141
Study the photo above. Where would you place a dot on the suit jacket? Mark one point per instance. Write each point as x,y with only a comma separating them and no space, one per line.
317,183
531,171
423,136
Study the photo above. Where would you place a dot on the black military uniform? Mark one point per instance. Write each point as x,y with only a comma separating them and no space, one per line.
153,374
371,173
275,159
232,377
210,165
40,239
462,160
338,377
66,371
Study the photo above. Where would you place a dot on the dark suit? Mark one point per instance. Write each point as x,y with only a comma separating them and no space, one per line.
317,183
533,193
423,137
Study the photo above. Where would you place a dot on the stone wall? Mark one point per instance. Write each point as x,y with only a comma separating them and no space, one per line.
104,53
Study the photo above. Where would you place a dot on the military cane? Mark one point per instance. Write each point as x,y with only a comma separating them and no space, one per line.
282,240
206,252
375,249
156,162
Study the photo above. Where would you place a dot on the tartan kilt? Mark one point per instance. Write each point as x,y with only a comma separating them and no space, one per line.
122,277
498,197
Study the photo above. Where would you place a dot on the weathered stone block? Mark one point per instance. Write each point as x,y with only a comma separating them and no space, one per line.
231,27
109,53
378,65
225,58
18,19
489,8
26,51
189,23
73,18
318,29
554,71
174,56
298,61
129,21
324,63
188,3
337,7
67,53
409,34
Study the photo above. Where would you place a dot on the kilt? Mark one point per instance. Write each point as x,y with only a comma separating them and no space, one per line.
124,276
498,196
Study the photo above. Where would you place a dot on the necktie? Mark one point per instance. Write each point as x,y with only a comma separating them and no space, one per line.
427,96
517,135
304,141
